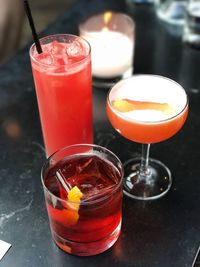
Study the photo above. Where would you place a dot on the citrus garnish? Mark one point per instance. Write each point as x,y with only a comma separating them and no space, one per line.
123,105
72,211
75,195
64,247
126,105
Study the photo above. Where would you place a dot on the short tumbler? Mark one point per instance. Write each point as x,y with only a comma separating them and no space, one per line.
85,214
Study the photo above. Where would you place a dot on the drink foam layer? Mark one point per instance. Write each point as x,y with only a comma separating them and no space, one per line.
152,89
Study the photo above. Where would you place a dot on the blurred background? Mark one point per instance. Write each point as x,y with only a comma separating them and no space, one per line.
14,28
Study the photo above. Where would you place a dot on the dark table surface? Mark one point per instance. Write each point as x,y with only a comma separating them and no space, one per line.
161,233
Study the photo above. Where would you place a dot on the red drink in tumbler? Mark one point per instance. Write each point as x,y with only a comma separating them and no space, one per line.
62,76
86,220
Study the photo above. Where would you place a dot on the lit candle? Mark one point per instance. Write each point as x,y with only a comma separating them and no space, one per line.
111,36
112,53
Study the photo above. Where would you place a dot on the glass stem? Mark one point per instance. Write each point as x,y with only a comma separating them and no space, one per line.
144,166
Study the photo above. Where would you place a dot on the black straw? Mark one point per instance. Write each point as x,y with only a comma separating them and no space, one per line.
34,33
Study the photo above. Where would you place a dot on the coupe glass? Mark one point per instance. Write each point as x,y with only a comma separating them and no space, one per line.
147,109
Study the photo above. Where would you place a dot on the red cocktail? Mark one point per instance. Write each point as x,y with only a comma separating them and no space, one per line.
147,109
86,218
62,76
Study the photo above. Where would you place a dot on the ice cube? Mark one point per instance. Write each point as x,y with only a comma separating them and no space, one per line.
88,189
58,53
94,176
47,47
84,166
58,48
111,172
75,50
60,60
45,58
96,167
96,194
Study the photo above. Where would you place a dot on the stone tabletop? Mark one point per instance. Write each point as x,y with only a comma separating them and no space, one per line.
160,233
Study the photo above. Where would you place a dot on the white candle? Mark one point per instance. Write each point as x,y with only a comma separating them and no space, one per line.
112,53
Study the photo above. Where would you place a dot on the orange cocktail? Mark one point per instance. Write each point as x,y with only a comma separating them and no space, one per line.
135,130
147,109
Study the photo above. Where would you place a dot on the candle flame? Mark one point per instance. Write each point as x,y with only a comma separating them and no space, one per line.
107,17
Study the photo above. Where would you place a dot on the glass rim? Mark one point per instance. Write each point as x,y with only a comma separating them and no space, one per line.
121,170
60,35
87,32
149,122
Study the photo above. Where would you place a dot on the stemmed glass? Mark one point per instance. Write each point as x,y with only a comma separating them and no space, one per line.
147,109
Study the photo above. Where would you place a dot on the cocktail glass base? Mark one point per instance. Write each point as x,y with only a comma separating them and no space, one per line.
87,248
154,184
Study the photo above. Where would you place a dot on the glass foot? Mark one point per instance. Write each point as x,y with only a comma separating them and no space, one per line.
152,185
